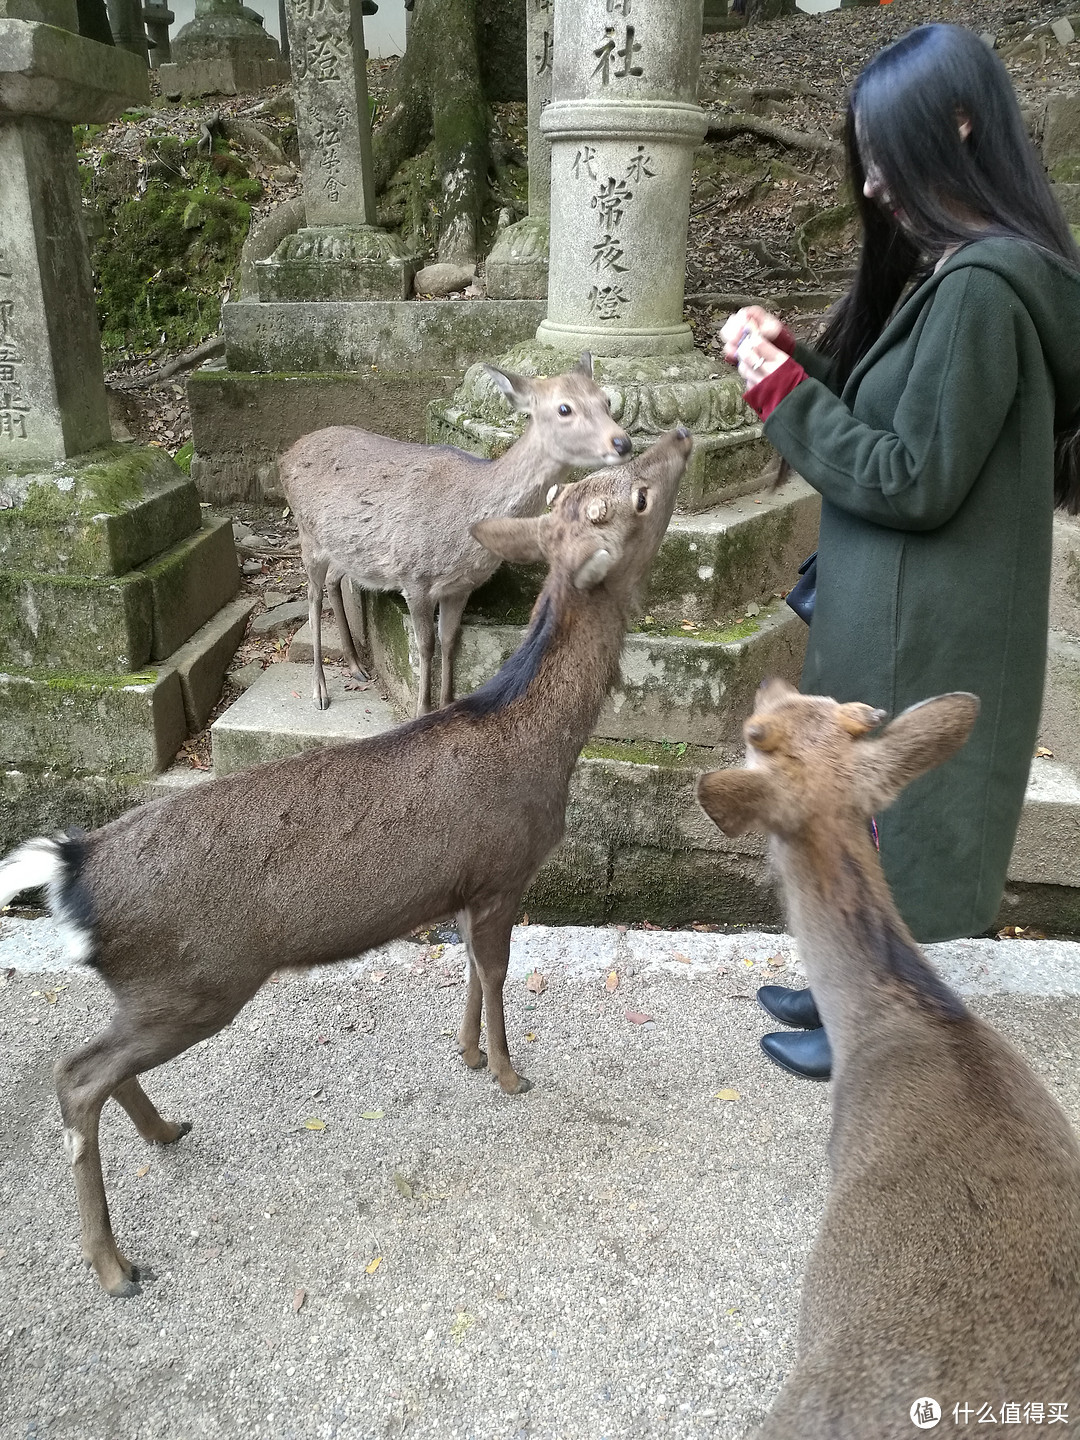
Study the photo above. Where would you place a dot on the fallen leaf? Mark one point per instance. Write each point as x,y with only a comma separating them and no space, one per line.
402,1186
726,1095
612,981
370,1269
637,1018
378,976
525,918
299,1296
142,1170
536,984
681,958
435,953
776,962
753,609
748,961
372,1115
1043,754
313,1124
461,1324
530,1036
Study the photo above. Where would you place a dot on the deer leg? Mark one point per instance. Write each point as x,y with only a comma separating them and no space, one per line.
422,614
145,1117
348,649
316,571
489,952
450,612
469,1034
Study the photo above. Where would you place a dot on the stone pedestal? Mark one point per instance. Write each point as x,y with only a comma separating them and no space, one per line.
157,18
129,32
106,565
517,267
223,51
340,254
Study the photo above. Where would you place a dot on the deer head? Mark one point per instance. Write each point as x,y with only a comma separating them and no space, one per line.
571,412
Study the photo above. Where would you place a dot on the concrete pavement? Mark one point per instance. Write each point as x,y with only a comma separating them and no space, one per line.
617,1253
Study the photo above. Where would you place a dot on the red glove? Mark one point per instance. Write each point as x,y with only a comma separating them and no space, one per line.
765,396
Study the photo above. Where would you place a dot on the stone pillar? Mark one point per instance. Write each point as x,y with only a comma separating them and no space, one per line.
340,254
129,32
283,28
223,51
517,266
106,567
623,126
158,18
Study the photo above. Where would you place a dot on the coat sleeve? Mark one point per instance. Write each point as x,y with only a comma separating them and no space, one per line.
820,367
955,399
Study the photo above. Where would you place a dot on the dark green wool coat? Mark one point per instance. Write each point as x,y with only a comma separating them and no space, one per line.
935,466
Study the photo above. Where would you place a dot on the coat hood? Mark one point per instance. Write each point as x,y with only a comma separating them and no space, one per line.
1050,292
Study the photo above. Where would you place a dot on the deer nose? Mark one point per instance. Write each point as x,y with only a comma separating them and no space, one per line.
623,444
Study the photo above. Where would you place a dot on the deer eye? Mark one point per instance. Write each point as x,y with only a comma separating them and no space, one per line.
565,410
641,499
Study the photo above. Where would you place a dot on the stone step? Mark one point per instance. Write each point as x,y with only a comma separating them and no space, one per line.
189,583
1059,727
678,686
275,717
1065,576
711,564
202,661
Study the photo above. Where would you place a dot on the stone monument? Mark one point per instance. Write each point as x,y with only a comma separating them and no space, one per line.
107,570
158,17
223,51
340,253
126,22
517,266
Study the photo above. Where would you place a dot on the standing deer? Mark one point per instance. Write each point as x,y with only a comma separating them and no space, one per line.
391,515
185,906
947,1267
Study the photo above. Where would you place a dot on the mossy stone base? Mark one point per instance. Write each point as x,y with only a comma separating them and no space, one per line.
337,262
46,802
102,513
517,264
75,624
97,724
189,583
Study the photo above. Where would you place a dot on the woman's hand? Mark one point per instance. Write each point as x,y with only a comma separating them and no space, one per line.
752,319
757,357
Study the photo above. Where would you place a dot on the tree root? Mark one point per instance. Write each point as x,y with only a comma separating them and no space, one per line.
723,127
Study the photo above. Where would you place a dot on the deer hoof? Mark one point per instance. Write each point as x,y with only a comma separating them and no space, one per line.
180,1128
517,1085
322,700
120,1278
477,1061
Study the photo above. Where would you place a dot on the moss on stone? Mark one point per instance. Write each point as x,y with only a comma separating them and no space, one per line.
1067,171
648,752
731,635
64,622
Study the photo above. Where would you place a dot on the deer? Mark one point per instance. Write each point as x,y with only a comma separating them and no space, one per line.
947,1266
185,906
394,515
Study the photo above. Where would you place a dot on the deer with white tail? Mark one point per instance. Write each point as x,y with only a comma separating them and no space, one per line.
186,906
392,515
947,1266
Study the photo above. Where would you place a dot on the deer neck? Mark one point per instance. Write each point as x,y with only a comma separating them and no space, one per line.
525,473
867,974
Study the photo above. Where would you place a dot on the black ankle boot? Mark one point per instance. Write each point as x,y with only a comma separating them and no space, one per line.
790,1007
808,1054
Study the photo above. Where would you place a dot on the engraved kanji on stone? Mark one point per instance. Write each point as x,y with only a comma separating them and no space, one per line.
606,254
619,7
312,9
638,168
603,52
585,163
323,57
543,66
606,299
610,202
626,55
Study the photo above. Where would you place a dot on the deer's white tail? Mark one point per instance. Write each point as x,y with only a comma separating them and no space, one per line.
54,864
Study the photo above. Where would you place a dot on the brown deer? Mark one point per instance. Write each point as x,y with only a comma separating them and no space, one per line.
947,1267
185,906
391,515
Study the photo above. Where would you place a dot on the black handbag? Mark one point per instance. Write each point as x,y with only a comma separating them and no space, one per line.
803,593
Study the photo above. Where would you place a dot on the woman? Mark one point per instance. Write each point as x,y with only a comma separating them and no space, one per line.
938,419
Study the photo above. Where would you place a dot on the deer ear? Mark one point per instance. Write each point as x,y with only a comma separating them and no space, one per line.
922,737
512,539
584,365
737,800
858,719
518,389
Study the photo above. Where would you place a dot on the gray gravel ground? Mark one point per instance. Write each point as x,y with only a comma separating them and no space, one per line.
615,1254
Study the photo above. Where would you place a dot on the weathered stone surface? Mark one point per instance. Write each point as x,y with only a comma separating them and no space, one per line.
623,126
1068,197
52,392
326,52
540,23
44,72
1047,849
275,717
107,724
281,618
158,18
100,513
1059,726
671,687
74,624
189,583
342,262
443,279
377,336
228,75
46,802
266,234
221,29
242,424
64,13
129,31
300,649
517,264
202,661
1065,576
1061,130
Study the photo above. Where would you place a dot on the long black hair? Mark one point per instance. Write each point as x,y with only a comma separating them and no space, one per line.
903,117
